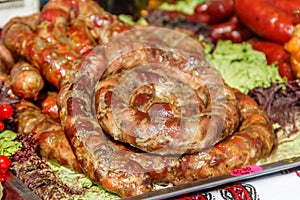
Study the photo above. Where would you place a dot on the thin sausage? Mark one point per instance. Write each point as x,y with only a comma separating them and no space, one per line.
232,30
265,19
215,11
290,6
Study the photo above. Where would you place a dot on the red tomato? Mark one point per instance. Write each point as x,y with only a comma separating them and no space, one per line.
4,166
1,125
4,162
6,111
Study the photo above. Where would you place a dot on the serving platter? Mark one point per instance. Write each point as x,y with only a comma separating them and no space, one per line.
15,189
216,181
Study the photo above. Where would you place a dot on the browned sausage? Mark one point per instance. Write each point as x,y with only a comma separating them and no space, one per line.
49,105
132,172
80,39
52,142
54,62
265,19
26,80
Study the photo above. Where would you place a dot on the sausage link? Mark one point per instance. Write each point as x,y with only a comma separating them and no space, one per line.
214,11
291,6
26,80
232,30
48,104
52,142
54,22
55,62
265,19
20,39
128,171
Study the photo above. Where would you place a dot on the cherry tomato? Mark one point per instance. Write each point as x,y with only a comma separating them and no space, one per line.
4,166
4,162
1,125
6,111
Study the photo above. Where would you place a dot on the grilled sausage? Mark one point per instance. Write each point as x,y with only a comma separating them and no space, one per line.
129,171
52,142
26,80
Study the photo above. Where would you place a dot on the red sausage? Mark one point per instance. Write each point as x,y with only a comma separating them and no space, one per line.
275,53
214,11
291,6
232,30
265,19
49,105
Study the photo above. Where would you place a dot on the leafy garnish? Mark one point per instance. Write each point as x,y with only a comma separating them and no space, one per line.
8,145
241,66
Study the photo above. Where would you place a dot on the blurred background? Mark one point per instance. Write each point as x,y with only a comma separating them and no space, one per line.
129,7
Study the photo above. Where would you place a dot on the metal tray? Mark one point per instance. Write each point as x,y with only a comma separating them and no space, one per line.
209,183
15,189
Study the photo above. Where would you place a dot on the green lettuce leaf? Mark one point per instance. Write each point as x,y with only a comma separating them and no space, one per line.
187,6
80,181
241,66
7,144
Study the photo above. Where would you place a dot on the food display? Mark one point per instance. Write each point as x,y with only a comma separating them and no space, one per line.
133,108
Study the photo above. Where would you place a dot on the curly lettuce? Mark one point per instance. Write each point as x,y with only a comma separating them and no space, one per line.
187,6
8,145
241,66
